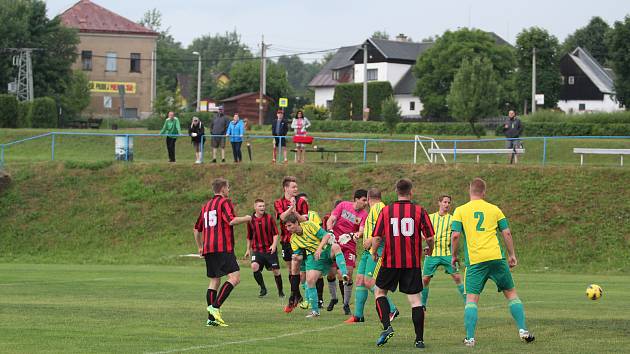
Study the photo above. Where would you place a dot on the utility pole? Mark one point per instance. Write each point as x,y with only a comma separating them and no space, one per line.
263,80
198,81
24,81
365,80
534,80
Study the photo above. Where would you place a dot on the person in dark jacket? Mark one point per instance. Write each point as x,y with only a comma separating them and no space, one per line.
218,128
513,128
196,132
279,128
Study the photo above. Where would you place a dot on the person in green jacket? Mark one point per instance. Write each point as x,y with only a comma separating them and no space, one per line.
171,128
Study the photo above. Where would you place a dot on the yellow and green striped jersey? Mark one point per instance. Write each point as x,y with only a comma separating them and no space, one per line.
310,238
442,238
480,223
370,220
314,217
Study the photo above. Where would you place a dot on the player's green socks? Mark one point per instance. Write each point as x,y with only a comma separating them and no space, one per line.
360,297
460,288
518,313
470,319
311,295
341,263
425,296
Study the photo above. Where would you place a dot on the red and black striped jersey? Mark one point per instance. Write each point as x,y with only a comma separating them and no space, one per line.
281,205
214,222
402,225
260,231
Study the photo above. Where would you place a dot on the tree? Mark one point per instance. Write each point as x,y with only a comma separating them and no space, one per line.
380,35
475,92
245,77
299,73
619,47
547,66
592,37
76,95
436,68
391,114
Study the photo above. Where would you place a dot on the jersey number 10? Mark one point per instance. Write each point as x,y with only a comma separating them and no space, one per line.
210,218
406,226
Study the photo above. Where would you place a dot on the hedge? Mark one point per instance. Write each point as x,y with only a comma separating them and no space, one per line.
25,115
44,113
348,100
572,129
9,111
401,128
596,117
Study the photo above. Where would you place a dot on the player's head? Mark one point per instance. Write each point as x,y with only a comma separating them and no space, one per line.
478,188
403,188
374,195
290,186
360,199
221,186
444,203
303,196
259,206
292,224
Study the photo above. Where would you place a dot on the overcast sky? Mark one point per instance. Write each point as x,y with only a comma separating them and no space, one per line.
302,25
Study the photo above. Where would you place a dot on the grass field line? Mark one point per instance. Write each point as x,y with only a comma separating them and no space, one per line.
58,281
252,340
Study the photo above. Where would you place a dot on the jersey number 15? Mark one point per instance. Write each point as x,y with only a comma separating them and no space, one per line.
404,226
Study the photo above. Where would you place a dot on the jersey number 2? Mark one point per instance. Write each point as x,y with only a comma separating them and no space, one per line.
210,218
406,226
479,215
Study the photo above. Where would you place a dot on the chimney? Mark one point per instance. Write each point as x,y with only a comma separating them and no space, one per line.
401,38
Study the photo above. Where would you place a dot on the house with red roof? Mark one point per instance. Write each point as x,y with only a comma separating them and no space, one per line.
119,58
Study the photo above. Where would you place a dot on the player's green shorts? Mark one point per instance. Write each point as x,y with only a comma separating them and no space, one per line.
432,263
476,276
323,264
367,266
303,265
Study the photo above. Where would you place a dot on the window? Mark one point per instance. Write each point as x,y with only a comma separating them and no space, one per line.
372,74
110,61
562,80
412,106
134,63
86,60
329,104
582,107
335,75
571,80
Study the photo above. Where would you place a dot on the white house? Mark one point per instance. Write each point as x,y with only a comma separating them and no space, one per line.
586,85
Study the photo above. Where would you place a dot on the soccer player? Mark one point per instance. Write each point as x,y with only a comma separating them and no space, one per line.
332,277
480,223
368,271
314,217
441,256
285,206
262,243
344,221
310,237
214,235
402,225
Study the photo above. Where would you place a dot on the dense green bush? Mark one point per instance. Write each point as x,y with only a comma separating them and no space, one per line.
44,113
401,128
9,111
560,117
348,100
572,129
313,112
122,123
25,115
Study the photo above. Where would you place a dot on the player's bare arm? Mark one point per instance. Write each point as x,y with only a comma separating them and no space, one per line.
198,241
430,243
331,222
322,244
240,220
301,218
274,245
376,242
248,252
509,244
359,234
454,247
290,210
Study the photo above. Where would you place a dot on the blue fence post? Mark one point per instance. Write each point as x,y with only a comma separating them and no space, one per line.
52,148
2,155
201,148
127,148
281,140
364,150
544,150
455,151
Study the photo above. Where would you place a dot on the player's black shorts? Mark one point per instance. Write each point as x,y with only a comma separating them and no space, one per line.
408,281
267,260
220,264
287,251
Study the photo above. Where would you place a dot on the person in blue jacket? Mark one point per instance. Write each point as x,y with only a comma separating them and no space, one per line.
235,131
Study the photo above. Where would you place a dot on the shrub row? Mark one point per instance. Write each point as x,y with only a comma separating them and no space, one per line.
41,113
572,129
559,117
401,128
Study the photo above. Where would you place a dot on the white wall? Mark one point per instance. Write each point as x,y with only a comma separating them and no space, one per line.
403,102
386,71
608,104
323,94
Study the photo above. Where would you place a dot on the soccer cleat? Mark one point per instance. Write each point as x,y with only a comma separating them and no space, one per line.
304,304
346,279
216,313
211,323
313,314
354,319
331,304
526,336
469,342
320,303
385,336
346,310
420,344
288,309
393,315
281,295
263,292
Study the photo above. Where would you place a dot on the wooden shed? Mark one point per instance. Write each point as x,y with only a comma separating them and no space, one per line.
247,107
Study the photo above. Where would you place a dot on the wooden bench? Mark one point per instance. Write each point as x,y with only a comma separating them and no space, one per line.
335,152
477,152
593,151
77,124
94,123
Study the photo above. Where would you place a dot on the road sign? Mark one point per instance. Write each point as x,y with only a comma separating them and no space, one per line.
540,99
263,101
283,102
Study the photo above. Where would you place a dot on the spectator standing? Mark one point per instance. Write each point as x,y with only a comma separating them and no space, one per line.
299,125
171,129
196,132
279,130
512,128
218,129
235,131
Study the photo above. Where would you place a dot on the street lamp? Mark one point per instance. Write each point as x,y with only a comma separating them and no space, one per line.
198,81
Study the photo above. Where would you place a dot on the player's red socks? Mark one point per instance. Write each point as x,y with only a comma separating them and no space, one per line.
223,294
417,317
382,308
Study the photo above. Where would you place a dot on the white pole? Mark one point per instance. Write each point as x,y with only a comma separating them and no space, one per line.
534,80
199,84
